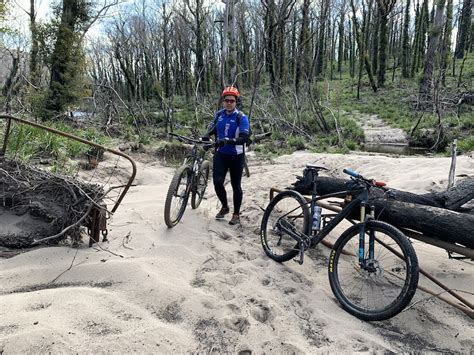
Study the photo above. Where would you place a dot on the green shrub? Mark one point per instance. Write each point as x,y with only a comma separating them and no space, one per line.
28,142
296,142
466,145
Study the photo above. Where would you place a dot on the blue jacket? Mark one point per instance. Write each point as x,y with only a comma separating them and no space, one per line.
225,126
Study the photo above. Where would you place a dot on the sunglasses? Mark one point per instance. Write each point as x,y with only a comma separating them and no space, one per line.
229,101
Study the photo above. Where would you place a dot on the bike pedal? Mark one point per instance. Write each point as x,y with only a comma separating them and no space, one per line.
299,261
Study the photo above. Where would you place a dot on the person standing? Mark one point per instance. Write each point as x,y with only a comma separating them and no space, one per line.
231,128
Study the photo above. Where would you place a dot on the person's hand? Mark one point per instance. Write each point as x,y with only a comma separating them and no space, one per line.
224,141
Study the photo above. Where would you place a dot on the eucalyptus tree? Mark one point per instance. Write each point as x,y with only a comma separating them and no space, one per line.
303,52
341,36
385,7
436,32
464,29
245,46
406,41
74,18
362,47
166,36
420,40
195,15
323,22
446,48
120,37
276,19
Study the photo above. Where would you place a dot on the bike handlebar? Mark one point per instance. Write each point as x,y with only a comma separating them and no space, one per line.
370,182
351,173
191,140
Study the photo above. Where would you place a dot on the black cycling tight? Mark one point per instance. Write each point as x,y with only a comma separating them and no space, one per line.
235,165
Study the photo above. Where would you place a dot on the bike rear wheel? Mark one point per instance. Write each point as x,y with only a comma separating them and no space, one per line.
201,185
288,206
177,197
386,284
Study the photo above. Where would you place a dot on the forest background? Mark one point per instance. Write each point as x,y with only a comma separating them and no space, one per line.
308,70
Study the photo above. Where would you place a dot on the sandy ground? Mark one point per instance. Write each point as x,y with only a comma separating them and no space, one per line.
205,286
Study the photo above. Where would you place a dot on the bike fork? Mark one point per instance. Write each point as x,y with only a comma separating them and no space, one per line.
363,220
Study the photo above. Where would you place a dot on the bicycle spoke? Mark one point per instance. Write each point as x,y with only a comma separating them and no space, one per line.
379,287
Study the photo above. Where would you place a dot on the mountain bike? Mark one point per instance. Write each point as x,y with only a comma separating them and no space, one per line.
189,179
373,268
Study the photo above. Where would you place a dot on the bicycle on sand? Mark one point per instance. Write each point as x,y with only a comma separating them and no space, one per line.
373,268
189,179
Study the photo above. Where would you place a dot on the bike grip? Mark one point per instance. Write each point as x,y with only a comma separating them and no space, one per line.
351,173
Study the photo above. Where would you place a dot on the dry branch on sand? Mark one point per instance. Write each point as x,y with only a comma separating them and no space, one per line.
36,204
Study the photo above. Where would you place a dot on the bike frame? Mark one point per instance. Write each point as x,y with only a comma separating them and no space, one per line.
305,240
193,160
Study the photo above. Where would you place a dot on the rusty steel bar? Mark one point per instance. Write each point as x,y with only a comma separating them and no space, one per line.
7,132
469,252
466,306
64,134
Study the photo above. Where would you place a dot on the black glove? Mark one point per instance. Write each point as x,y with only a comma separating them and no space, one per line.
221,142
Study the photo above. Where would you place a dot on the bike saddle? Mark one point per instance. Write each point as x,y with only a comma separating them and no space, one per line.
315,168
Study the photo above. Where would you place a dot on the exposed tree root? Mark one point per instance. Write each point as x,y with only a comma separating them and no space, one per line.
35,204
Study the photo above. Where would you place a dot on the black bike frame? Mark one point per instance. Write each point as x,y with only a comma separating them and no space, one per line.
190,160
323,232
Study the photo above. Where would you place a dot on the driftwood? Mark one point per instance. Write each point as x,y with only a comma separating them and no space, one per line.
434,214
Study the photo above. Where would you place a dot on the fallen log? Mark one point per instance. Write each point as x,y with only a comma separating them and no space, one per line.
451,199
429,214
456,196
450,226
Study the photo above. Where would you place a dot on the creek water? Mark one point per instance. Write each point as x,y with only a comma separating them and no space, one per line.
393,148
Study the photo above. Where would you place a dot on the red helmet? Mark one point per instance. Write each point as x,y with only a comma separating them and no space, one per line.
231,90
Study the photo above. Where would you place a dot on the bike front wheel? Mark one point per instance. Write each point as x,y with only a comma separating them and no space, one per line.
384,283
201,185
177,197
288,209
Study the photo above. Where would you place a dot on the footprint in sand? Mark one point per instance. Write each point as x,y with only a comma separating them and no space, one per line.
260,310
267,280
172,313
99,328
210,334
38,306
237,323
297,277
313,331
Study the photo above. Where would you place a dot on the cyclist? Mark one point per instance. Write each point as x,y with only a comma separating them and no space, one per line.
231,128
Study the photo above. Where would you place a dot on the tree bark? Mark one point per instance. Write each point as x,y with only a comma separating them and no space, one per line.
427,81
464,29
406,42
384,7
362,50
